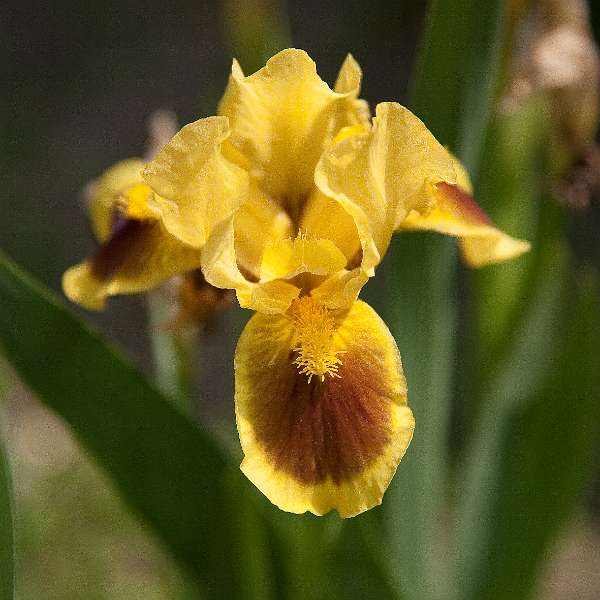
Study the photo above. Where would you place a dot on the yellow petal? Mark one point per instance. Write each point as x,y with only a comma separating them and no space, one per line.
325,218
106,190
258,223
288,258
138,257
220,268
348,83
321,445
341,289
198,188
349,77
281,118
378,177
457,214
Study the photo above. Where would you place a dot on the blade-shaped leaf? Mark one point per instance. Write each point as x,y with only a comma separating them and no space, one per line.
510,189
544,454
326,557
421,318
164,466
453,92
517,378
456,78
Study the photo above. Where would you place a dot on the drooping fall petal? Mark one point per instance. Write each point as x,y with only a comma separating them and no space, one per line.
137,257
136,252
456,213
316,443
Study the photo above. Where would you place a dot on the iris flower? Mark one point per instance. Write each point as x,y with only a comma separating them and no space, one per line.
290,197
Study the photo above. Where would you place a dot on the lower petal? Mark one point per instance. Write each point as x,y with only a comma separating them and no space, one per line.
457,214
322,443
137,258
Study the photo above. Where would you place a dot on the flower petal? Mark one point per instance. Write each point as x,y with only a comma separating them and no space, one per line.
258,223
221,269
319,445
106,189
379,177
282,117
325,218
138,257
340,290
348,83
288,258
457,214
198,187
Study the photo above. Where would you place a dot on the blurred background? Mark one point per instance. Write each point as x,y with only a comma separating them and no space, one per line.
517,396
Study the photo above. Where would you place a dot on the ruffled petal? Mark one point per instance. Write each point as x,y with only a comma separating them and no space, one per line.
348,83
456,213
221,269
340,290
281,119
137,257
258,223
198,187
325,218
379,176
324,444
287,258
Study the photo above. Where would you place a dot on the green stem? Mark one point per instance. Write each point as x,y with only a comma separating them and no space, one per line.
175,353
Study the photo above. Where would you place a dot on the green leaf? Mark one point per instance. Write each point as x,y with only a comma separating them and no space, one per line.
510,190
327,557
517,378
421,316
453,93
545,452
550,452
7,564
457,72
171,472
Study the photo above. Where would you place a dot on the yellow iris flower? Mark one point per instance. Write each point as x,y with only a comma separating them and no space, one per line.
290,197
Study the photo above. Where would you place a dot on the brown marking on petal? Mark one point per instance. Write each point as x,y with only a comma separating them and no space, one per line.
333,429
126,236
462,204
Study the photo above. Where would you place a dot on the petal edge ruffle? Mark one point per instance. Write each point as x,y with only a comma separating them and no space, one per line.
312,446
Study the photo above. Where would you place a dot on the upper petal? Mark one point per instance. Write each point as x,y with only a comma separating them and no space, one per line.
258,223
221,269
289,257
282,117
323,217
198,187
321,445
457,213
379,176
